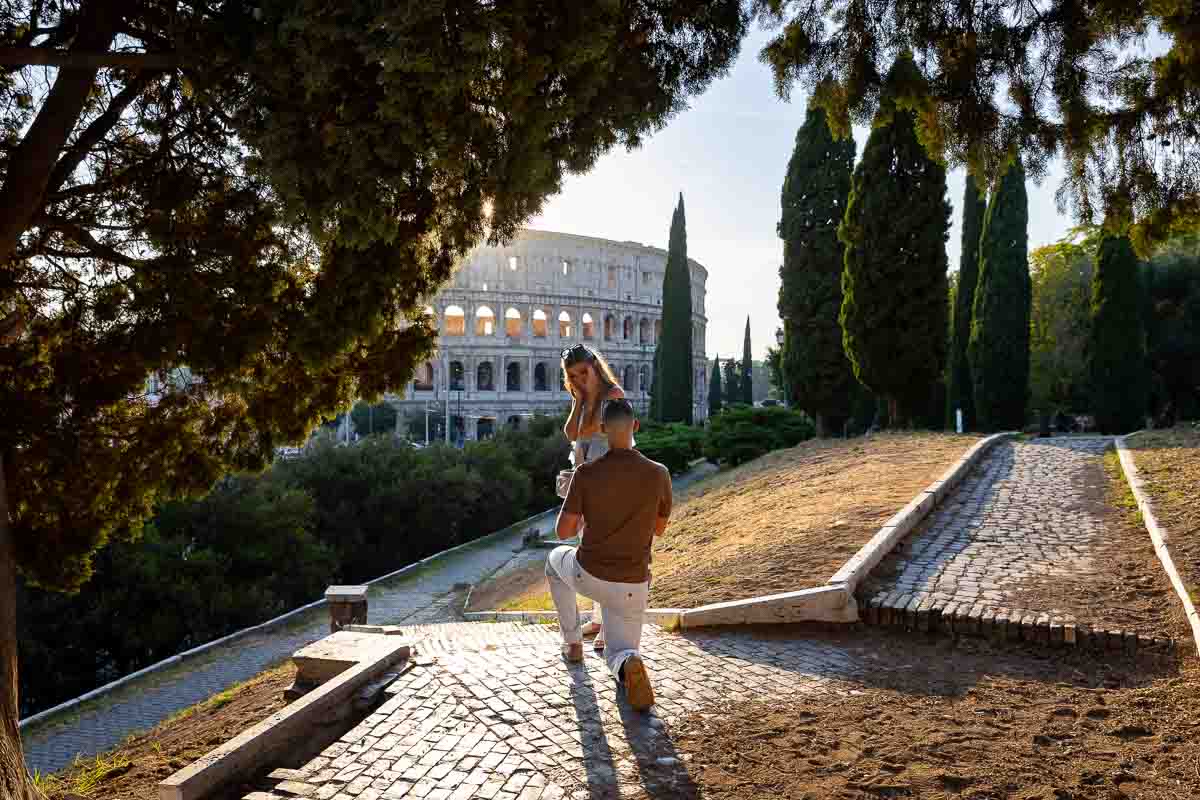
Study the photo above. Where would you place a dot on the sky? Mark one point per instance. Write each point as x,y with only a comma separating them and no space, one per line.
727,154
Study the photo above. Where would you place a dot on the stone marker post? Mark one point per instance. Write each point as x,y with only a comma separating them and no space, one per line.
347,606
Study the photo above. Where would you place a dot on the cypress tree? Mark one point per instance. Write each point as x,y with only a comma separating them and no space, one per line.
813,200
675,358
747,369
894,283
655,383
733,381
961,390
999,345
714,389
1117,345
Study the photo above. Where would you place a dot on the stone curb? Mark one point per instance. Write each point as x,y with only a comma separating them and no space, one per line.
270,738
41,716
659,616
921,612
854,571
1159,535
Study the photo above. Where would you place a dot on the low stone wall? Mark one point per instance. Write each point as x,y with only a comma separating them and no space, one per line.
1159,535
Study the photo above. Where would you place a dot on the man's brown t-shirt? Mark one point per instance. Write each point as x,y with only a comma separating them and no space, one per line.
620,495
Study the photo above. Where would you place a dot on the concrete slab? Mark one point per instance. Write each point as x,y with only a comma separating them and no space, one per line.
324,659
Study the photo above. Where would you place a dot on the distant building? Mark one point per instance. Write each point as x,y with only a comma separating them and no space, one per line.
511,310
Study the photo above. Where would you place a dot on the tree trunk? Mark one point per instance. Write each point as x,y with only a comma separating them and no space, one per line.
15,782
32,161
821,425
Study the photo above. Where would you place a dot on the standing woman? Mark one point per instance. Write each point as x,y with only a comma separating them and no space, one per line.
591,382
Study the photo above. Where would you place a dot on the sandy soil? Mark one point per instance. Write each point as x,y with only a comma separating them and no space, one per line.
519,586
783,522
945,720
133,770
1126,589
1169,461
790,519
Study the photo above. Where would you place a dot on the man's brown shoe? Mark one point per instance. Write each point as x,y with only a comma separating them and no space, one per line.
637,684
573,653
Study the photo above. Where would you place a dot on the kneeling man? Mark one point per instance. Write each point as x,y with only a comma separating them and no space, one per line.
626,500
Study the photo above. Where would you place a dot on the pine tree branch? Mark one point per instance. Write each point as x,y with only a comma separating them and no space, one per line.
47,57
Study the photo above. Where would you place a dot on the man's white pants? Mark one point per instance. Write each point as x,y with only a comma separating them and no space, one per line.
624,606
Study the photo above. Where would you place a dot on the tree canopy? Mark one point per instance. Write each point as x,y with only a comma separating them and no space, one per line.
1067,78
813,201
674,355
894,304
265,193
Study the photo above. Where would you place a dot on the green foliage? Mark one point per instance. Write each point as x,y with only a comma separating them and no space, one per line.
893,312
247,552
715,397
1057,79
1061,320
1117,345
747,377
256,547
675,445
999,344
743,433
656,385
375,419
733,381
1172,317
675,348
274,220
775,372
814,197
960,391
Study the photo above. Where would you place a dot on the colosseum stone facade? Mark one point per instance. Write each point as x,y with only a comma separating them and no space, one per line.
510,311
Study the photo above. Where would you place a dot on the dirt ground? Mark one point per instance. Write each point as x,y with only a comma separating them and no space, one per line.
790,519
960,720
1169,461
520,586
1126,589
783,522
133,770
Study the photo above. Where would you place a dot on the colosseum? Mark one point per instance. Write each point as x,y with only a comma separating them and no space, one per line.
510,311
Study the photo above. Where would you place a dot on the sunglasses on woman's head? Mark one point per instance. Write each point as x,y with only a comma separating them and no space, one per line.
577,353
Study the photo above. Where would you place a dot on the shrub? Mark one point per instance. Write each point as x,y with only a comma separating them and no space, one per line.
743,433
675,445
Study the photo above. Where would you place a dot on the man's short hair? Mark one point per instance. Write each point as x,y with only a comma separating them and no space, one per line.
618,411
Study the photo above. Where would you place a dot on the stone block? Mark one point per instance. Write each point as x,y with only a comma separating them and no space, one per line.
323,659
347,606
821,604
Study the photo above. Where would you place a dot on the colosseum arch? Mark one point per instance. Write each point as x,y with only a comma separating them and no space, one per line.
512,377
657,329
644,329
627,329
644,379
457,374
539,378
456,321
485,321
587,326
610,327
512,322
423,379
540,324
484,380
627,378
564,325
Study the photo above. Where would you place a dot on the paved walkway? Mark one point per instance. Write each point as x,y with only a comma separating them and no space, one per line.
423,597
493,711
1024,513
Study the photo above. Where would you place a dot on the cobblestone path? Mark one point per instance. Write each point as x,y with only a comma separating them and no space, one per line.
1024,513
493,711
423,597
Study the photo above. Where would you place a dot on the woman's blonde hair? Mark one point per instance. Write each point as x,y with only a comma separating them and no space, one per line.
580,354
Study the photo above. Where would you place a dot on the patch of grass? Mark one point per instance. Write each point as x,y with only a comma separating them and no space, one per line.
538,601
86,776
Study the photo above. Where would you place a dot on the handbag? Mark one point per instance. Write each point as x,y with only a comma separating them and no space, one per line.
562,484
